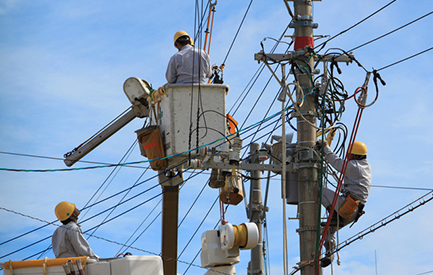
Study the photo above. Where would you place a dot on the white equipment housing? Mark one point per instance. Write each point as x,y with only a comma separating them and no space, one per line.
175,114
220,250
129,265
212,255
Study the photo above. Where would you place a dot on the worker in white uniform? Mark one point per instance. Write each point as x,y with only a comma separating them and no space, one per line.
188,65
356,186
68,239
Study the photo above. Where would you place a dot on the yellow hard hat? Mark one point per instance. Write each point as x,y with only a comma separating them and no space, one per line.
359,148
182,33
64,210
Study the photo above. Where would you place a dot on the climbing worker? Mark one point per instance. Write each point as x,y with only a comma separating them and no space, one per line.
188,65
68,239
355,190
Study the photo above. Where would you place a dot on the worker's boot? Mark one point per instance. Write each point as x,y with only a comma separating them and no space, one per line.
327,260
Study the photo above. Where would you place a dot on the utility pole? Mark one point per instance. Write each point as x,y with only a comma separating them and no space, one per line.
170,213
255,212
308,191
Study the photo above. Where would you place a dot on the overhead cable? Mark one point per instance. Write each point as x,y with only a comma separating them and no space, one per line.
113,242
236,35
123,159
199,226
407,58
101,212
346,30
394,216
371,41
390,218
62,159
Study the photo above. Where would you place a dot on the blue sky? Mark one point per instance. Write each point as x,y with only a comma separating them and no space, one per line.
62,68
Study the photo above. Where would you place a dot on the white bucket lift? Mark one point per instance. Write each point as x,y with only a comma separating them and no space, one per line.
203,106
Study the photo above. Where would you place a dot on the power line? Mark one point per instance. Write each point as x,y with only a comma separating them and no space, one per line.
236,35
400,187
346,30
107,240
407,58
385,221
386,34
62,159
390,218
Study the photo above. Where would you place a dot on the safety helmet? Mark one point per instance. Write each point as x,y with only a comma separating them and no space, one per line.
64,210
359,148
182,33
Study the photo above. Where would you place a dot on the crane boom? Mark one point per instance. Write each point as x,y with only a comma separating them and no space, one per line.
87,147
137,91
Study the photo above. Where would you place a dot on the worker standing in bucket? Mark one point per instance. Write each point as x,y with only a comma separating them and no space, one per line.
68,239
355,190
188,65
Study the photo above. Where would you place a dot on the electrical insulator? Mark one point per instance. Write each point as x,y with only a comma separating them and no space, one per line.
263,155
235,153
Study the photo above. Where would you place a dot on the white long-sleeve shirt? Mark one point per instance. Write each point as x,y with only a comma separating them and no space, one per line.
357,179
68,241
189,65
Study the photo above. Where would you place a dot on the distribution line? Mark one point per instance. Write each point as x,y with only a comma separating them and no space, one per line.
115,171
62,159
112,196
240,26
346,30
407,58
394,216
388,33
110,241
106,221
246,129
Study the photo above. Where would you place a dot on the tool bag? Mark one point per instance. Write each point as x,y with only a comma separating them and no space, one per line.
151,141
348,207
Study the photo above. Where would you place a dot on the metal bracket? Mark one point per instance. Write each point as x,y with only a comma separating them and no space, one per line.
303,24
170,177
304,113
306,228
247,166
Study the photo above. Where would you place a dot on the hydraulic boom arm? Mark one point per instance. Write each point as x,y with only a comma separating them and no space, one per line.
137,91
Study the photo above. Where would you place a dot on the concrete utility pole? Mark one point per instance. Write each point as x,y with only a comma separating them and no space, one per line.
255,213
308,191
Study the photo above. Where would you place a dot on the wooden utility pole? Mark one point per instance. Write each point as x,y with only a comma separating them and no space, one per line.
308,191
